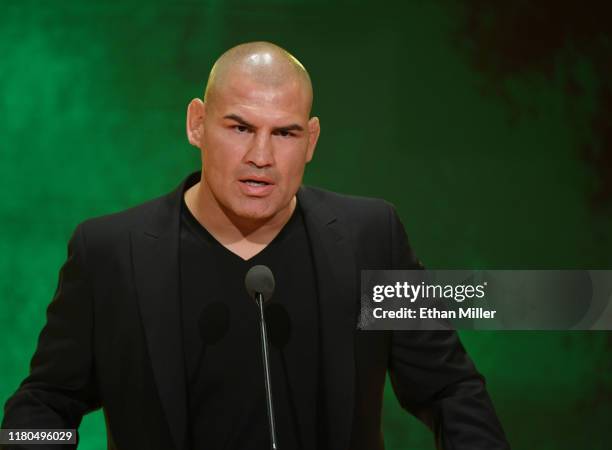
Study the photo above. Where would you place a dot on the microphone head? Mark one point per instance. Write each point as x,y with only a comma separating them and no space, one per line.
259,279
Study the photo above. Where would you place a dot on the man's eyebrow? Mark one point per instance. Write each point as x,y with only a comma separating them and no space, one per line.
292,127
240,120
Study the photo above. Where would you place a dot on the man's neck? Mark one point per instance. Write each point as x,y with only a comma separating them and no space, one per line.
245,238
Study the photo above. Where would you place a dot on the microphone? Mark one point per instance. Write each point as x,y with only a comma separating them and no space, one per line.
259,280
259,283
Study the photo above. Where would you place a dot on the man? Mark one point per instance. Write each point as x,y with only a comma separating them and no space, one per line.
152,323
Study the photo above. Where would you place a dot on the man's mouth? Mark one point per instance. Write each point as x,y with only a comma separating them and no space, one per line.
255,180
255,183
256,186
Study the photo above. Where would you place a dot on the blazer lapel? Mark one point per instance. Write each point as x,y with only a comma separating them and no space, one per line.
156,273
335,269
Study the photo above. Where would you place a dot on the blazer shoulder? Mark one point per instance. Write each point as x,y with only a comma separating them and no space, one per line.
106,230
350,206
372,225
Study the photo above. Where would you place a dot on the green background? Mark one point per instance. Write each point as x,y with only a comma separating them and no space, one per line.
481,156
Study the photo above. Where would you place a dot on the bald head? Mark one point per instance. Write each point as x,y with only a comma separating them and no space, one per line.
255,136
262,63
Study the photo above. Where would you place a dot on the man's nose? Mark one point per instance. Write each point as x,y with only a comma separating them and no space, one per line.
260,153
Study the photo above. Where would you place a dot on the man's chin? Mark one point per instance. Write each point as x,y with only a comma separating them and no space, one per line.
257,213
254,216
254,213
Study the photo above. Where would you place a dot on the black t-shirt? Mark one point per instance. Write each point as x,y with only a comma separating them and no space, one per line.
223,358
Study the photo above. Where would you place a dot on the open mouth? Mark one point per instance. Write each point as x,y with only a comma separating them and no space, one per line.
255,183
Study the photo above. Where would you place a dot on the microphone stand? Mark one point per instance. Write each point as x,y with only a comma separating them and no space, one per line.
264,348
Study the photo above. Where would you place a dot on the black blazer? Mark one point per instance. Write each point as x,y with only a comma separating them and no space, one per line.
112,337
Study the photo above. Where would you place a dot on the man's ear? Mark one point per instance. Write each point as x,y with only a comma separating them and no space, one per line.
314,129
195,122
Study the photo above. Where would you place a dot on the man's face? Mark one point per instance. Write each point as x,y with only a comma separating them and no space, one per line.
256,140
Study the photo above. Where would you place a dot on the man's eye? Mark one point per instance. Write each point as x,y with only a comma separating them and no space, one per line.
241,128
284,133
